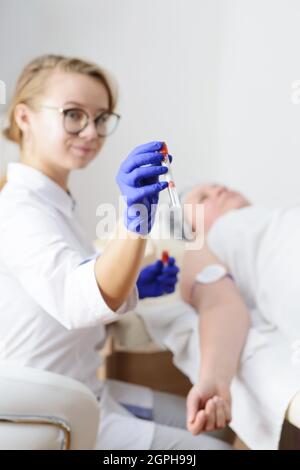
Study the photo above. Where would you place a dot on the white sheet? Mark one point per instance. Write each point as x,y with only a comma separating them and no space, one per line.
261,247
267,380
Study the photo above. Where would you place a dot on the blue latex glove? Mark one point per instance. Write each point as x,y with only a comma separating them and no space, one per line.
140,186
157,279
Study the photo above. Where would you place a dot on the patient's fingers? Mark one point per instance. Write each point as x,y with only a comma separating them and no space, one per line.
227,412
197,426
220,412
193,405
210,410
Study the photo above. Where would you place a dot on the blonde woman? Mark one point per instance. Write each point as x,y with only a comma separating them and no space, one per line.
56,294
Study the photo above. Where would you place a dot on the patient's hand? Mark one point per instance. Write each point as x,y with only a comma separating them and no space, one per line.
208,406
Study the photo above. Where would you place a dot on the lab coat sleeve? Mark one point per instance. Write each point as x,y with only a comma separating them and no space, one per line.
35,251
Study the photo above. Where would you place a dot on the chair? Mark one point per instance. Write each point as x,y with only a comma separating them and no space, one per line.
41,410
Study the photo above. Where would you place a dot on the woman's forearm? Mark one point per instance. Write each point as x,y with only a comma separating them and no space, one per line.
117,269
223,336
224,318
223,331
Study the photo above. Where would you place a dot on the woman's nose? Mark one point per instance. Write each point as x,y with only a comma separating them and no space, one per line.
89,131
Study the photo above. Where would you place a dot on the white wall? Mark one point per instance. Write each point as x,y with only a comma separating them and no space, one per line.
259,127
211,77
164,55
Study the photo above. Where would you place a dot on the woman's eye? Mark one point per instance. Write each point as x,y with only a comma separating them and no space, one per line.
103,118
75,115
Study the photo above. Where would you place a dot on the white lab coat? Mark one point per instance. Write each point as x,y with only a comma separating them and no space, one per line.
51,311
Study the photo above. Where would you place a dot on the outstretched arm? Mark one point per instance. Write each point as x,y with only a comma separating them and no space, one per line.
223,325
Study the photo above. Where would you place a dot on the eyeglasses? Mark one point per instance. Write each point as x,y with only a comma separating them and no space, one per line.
75,120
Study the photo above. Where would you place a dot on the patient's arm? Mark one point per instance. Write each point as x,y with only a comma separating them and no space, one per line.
223,325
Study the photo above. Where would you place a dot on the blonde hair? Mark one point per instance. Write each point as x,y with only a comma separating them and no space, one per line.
3,181
32,81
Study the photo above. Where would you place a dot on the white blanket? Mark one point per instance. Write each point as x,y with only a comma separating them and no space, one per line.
261,247
267,379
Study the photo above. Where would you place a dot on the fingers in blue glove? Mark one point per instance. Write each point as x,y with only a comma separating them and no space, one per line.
169,290
136,177
158,265
153,146
171,261
164,279
147,191
152,269
170,270
134,161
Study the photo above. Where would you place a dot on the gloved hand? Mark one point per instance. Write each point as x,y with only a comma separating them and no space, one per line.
140,186
157,279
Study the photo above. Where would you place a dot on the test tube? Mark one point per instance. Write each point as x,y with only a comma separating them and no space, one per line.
174,198
165,257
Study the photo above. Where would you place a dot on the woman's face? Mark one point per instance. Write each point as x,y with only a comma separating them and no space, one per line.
49,140
217,201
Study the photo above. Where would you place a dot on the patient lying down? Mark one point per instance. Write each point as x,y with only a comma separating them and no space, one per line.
260,251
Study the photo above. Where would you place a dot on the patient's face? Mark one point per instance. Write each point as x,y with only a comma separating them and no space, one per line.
217,200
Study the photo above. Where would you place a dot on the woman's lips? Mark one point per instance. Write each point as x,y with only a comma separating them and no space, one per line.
83,149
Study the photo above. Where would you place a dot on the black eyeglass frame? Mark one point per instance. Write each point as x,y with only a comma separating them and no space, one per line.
63,111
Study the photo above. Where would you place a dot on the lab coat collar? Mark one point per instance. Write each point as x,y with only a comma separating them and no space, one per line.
41,184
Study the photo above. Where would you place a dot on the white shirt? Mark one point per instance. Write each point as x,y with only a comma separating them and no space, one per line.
261,247
262,250
52,313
